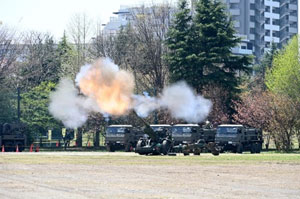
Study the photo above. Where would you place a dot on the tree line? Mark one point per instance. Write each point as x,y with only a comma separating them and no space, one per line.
160,44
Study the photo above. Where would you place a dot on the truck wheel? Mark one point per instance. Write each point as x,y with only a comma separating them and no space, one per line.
239,148
215,152
258,148
185,153
253,148
165,147
110,148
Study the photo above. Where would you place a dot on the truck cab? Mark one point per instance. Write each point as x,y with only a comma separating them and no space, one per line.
185,133
238,138
119,137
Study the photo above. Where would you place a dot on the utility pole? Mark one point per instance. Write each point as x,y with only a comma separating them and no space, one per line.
19,99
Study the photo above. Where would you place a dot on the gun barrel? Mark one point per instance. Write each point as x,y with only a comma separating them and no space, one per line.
141,119
147,130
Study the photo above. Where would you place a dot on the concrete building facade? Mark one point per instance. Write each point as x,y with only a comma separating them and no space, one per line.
262,22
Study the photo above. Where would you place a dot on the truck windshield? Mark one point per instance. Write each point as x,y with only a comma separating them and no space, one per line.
181,130
227,130
115,130
159,128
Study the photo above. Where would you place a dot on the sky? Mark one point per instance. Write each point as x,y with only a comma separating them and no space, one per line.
52,16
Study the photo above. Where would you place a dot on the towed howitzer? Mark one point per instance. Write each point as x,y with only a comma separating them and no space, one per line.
154,142
190,138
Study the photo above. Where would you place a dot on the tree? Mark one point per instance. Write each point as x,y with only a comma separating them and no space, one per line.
261,68
35,109
10,51
180,56
66,58
40,61
79,29
283,79
211,37
147,32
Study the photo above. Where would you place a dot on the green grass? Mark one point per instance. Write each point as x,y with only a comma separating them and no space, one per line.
120,159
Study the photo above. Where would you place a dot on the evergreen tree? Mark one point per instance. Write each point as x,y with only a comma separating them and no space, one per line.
180,56
66,58
266,62
35,108
201,49
214,40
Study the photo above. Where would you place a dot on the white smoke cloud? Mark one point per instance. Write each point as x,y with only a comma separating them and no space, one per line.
66,105
183,103
108,90
179,99
144,105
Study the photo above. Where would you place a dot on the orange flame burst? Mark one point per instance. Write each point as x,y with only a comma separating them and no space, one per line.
110,87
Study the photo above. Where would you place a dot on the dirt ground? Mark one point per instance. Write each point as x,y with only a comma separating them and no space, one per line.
127,175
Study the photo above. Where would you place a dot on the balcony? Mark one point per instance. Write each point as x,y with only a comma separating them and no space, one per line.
293,30
293,18
293,6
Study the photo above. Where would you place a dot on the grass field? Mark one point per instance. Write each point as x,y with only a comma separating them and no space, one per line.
130,158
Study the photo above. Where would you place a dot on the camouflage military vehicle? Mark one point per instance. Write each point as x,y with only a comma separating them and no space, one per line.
238,138
121,137
191,138
157,140
12,135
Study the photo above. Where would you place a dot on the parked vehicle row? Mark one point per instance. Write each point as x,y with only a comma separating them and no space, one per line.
183,138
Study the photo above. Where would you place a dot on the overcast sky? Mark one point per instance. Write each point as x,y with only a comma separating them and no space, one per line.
53,15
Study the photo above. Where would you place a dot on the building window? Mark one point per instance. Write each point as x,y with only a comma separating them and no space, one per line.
275,10
252,30
275,33
294,13
252,18
252,6
234,5
267,21
275,22
267,33
267,9
268,44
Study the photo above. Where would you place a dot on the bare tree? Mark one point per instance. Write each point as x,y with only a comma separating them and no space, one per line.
10,50
79,29
39,61
150,27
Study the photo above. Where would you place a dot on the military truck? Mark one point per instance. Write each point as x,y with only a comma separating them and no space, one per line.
12,135
237,138
156,140
191,138
121,137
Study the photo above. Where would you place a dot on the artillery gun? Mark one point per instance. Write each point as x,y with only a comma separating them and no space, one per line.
190,138
157,139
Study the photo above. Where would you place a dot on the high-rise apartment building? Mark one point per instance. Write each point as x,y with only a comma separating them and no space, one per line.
262,22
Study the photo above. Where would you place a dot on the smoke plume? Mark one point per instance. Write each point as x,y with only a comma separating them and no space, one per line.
66,105
109,90
179,99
